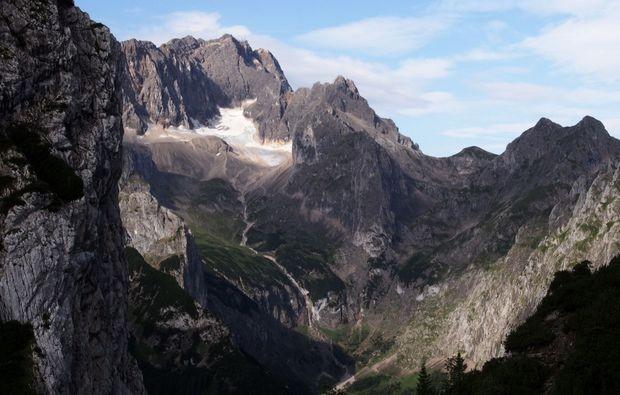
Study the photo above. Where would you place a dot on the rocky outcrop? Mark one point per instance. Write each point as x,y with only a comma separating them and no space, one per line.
156,232
62,265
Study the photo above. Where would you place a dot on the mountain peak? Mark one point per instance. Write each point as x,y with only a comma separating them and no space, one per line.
345,83
134,44
591,123
186,43
546,123
228,37
474,152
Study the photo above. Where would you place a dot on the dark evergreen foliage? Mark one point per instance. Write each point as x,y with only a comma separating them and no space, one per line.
424,381
16,366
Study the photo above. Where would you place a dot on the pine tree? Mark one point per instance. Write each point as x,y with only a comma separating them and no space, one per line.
456,375
424,381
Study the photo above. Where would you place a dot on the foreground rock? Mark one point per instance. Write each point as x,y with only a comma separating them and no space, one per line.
62,265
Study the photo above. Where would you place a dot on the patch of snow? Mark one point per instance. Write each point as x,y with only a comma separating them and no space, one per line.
428,291
237,130
316,310
399,290
240,132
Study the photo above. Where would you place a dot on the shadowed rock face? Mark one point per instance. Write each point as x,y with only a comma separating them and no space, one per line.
62,265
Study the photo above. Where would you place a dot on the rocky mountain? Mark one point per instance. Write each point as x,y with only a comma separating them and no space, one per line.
290,237
402,251
184,81
62,265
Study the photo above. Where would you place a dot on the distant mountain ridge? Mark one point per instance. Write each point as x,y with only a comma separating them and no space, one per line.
371,226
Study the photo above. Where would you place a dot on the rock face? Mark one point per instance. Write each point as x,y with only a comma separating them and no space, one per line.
183,82
62,266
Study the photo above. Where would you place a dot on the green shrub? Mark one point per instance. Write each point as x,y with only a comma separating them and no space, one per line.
415,267
170,264
518,376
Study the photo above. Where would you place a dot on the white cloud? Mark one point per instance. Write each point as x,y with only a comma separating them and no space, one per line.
502,130
586,45
518,91
182,23
569,7
566,7
484,55
378,36
523,92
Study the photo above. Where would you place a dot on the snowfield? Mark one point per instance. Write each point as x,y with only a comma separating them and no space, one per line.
237,130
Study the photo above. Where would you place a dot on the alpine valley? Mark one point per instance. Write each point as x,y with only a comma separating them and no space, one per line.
178,219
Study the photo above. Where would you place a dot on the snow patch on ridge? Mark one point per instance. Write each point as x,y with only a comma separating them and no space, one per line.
238,131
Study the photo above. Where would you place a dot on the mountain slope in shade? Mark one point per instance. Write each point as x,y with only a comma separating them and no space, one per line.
179,346
252,299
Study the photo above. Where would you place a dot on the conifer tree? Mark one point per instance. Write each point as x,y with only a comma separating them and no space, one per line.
424,381
456,367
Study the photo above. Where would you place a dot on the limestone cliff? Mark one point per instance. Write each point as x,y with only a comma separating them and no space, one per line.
62,265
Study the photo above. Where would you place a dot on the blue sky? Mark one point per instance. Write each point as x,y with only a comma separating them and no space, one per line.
451,73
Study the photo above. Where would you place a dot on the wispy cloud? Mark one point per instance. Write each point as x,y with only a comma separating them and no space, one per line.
205,25
565,7
587,45
518,91
502,130
378,36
